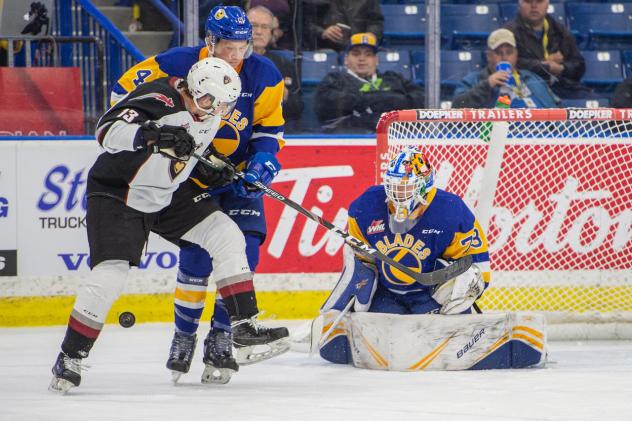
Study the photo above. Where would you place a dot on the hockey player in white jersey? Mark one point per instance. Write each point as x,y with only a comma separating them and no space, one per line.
134,187
378,317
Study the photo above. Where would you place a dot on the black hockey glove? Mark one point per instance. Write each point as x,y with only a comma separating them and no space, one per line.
215,178
173,141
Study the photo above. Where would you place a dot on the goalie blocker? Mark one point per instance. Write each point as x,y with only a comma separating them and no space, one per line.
436,342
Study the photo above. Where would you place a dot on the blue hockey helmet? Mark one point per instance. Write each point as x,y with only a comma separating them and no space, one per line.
228,22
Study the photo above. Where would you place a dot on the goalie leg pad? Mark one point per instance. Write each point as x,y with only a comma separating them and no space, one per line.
357,279
438,342
336,348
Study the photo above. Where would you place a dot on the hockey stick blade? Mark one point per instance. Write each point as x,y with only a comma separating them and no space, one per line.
431,278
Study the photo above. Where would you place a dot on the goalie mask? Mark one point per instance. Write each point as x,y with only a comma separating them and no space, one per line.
215,86
408,179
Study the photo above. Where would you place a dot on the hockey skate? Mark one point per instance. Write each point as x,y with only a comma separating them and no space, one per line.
66,374
181,354
218,357
255,342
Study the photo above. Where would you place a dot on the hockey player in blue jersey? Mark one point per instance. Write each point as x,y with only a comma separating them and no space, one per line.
424,228
250,137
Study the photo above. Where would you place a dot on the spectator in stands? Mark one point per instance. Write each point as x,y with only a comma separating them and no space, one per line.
480,89
264,24
547,48
353,99
622,97
332,23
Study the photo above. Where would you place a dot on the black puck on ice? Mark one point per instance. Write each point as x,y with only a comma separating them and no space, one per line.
127,319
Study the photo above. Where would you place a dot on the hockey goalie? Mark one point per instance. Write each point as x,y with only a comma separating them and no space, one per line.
378,317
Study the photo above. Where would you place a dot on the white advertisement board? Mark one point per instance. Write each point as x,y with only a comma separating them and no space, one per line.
52,208
8,214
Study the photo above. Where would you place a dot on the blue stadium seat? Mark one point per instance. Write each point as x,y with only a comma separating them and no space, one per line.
603,69
396,61
601,25
627,63
456,64
287,54
316,65
585,103
466,25
508,11
404,24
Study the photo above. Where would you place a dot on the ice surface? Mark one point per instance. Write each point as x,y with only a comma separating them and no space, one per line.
127,380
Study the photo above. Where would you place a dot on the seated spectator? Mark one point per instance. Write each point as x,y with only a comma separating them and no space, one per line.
622,97
282,36
332,26
264,24
548,49
353,99
480,89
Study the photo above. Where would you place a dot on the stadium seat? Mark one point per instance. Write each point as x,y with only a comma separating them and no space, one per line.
585,103
316,65
603,69
508,11
404,24
287,54
395,60
601,25
627,63
456,64
466,25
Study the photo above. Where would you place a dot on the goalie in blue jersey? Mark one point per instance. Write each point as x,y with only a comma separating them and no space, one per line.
424,228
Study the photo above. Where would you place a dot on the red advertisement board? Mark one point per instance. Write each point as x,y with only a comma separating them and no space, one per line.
41,101
323,178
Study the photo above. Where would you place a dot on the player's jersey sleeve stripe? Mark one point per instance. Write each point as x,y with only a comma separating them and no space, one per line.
267,111
354,230
143,72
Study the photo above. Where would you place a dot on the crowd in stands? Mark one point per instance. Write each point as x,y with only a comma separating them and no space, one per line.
355,64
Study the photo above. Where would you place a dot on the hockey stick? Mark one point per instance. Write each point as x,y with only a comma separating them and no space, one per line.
335,322
431,278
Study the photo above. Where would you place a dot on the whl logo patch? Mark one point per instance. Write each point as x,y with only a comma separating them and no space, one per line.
376,227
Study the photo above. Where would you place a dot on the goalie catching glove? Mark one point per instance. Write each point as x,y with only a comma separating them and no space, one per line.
262,167
171,141
209,178
459,294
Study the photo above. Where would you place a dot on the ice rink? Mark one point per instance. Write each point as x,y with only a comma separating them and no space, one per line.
127,380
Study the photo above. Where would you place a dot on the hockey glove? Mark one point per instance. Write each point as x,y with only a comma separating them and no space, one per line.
208,177
172,141
262,167
458,294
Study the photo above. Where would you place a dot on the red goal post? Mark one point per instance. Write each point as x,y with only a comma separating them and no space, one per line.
553,189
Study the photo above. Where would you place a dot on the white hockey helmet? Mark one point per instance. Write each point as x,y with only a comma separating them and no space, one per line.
214,85
408,179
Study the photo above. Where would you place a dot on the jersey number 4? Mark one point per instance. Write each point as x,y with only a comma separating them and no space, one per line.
141,75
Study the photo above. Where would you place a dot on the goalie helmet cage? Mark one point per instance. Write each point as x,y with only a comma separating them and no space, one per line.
551,187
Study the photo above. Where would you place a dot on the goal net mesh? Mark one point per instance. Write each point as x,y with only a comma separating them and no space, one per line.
553,189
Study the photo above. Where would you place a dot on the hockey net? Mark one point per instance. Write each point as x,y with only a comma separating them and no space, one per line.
552,190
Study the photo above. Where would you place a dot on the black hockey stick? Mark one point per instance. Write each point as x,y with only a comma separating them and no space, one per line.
431,278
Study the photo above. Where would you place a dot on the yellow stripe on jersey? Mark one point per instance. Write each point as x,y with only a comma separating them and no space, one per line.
354,230
471,242
143,72
267,111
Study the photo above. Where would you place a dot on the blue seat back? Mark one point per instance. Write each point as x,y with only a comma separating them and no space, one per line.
403,22
316,65
603,68
468,24
396,61
456,64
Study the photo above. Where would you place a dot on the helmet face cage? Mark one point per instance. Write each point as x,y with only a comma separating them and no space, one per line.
408,179
229,23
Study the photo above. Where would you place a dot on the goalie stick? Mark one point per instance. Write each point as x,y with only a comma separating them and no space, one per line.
440,276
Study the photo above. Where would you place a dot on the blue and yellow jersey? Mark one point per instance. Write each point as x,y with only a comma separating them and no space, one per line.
447,229
256,123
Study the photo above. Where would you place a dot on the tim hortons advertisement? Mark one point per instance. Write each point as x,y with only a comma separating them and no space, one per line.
321,175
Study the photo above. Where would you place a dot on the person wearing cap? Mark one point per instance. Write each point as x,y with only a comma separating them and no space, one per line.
481,89
548,49
352,99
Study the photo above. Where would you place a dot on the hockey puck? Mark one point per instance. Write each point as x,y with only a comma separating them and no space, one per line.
127,319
